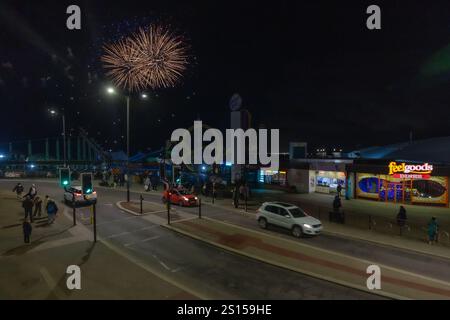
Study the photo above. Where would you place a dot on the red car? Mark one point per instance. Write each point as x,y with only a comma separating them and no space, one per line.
180,197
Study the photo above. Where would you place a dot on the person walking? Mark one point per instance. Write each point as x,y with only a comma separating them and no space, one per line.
242,192
339,190
147,184
27,228
32,192
27,204
337,204
51,209
401,217
18,189
433,229
235,197
37,206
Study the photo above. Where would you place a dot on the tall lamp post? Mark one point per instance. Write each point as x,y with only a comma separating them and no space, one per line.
53,112
112,91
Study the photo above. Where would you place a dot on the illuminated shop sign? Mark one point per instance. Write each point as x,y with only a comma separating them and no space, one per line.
410,171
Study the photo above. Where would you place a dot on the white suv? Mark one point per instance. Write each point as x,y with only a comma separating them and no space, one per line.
288,216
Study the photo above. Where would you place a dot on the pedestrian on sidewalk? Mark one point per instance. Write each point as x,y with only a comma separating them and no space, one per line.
339,189
27,204
337,204
18,189
433,229
37,206
52,210
242,192
401,217
147,184
32,192
27,228
235,197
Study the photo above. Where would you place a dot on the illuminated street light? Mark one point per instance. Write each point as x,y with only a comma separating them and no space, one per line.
144,96
111,90
53,112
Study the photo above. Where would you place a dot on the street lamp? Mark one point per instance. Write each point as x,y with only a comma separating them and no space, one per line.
112,91
53,112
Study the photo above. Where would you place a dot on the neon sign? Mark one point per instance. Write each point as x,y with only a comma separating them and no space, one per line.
410,171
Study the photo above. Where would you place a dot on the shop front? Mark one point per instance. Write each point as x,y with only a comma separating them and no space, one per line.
402,182
328,181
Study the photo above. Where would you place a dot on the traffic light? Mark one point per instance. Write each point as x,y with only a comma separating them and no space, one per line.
64,177
86,183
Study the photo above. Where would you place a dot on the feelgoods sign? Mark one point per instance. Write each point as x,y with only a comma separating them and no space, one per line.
235,147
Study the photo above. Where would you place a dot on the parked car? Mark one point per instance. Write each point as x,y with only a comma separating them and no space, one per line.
75,192
180,197
288,216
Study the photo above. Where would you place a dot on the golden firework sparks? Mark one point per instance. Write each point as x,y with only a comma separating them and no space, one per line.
152,58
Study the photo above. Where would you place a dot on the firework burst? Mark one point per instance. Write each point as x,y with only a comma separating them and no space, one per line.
150,58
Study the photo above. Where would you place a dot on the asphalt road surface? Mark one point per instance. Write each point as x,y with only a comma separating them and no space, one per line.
217,274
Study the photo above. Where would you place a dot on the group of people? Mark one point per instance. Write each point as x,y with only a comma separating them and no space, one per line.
149,184
30,201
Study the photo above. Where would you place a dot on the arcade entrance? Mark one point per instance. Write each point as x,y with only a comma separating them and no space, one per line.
391,191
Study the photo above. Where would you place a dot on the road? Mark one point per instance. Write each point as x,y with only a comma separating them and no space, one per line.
217,274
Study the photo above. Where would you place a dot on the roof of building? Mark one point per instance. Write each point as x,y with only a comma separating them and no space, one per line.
435,150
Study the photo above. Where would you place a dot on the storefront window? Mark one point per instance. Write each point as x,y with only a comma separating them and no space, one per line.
433,190
328,181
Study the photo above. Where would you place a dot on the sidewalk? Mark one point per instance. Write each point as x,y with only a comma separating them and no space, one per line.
38,270
320,263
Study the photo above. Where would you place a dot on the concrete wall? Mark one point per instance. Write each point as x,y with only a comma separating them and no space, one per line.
303,180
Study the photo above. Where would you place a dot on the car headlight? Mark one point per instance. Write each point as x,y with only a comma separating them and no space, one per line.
307,226
196,198
185,199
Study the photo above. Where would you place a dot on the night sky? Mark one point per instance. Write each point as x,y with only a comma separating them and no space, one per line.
310,68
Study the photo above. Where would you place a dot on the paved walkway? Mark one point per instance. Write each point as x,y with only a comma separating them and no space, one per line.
311,260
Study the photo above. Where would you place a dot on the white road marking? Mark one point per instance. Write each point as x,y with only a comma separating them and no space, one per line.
116,220
161,262
129,232
52,284
144,240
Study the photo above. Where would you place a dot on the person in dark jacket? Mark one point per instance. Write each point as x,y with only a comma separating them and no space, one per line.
18,189
337,203
27,204
401,217
339,189
37,206
52,210
27,228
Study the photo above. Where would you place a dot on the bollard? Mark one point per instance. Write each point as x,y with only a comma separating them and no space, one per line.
95,222
141,198
168,212
73,212
199,208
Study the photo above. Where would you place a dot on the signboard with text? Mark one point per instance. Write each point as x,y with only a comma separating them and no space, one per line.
410,171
